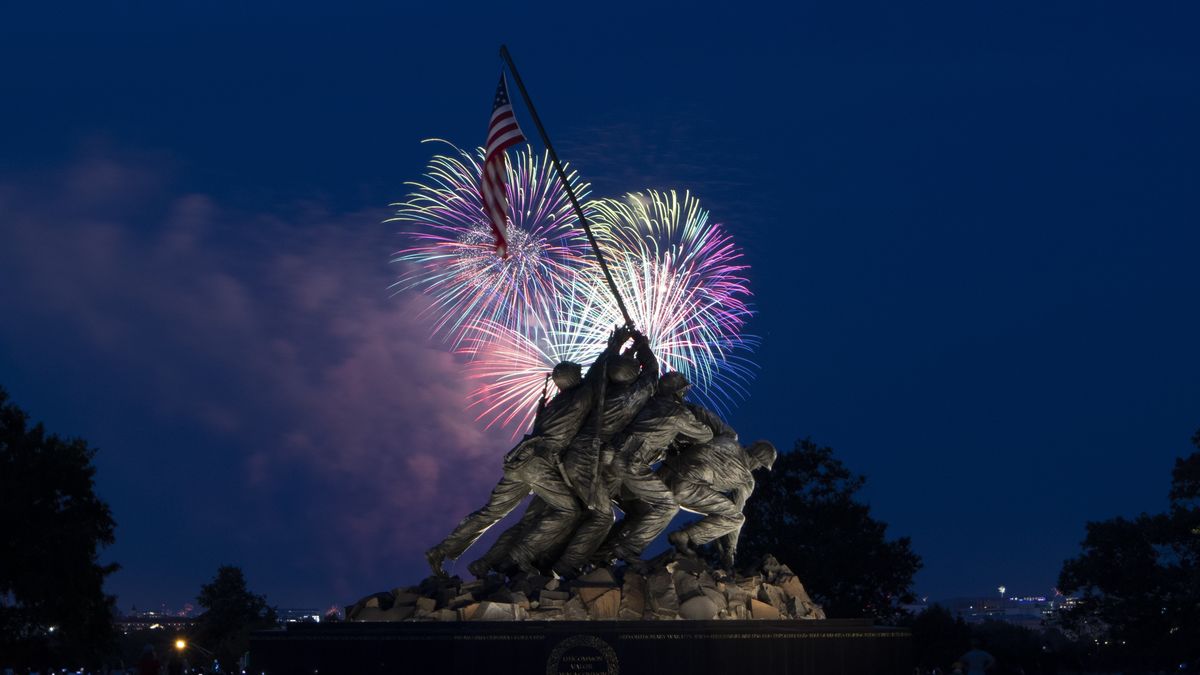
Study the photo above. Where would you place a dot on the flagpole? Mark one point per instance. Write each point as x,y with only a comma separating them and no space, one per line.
562,175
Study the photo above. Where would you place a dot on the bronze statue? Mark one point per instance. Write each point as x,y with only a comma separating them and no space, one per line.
631,384
714,479
646,501
534,465
598,441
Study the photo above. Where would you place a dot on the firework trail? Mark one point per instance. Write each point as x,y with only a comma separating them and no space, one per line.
449,249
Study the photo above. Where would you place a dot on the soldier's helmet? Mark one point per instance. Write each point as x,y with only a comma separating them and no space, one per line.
764,453
623,369
567,374
674,383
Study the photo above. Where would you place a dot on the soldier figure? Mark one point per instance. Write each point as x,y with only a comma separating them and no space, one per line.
627,392
534,464
647,503
714,479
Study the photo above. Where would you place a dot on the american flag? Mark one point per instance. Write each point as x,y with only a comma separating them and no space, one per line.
503,133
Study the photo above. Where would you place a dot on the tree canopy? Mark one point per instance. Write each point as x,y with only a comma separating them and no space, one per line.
52,601
807,514
232,612
1138,580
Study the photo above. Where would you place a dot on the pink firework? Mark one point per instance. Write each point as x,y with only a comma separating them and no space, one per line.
449,251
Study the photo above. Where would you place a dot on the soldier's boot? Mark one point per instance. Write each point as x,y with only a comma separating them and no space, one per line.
528,568
606,556
435,557
680,540
564,571
480,568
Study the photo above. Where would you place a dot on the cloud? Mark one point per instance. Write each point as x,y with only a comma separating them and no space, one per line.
275,333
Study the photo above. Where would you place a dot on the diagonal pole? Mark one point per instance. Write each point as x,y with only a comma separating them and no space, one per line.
562,175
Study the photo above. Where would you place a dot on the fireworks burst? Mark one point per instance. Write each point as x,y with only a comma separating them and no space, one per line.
511,366
450,254
680,274
682,279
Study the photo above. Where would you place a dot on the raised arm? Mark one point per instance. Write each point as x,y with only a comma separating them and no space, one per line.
595,373
645,356
713,421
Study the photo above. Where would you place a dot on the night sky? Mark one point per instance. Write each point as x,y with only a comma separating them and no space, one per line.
973,234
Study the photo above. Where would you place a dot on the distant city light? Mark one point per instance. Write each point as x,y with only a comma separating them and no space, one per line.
180,645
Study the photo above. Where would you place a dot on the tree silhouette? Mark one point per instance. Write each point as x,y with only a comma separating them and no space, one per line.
805,512
232,613
52,600
939,638
1138,581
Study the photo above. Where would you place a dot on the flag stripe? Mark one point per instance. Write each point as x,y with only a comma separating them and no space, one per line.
498,130
503,133
506,141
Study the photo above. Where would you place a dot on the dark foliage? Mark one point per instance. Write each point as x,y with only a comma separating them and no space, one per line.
806,513
53,608
232,613
1138,581
1016,649
939,638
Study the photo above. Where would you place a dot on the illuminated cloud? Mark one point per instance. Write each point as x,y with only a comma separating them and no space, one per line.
276,335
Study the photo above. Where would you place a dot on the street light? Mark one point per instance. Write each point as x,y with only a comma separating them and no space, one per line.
181,644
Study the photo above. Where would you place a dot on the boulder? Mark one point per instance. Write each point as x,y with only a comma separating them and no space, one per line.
633,597
404,596
761,610
499,611
687,585
771,567
773,596
594,584
668,586
552,599
545,614
460,601
698,608
664,604
606,606
574,610
717,598
589,593
792,587
749,584
520,600
369,613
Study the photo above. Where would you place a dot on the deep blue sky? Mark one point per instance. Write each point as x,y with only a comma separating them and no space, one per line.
973,234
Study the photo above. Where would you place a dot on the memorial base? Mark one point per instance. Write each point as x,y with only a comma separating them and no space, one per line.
833,647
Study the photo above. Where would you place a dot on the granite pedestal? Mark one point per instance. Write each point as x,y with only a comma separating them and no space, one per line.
834,647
